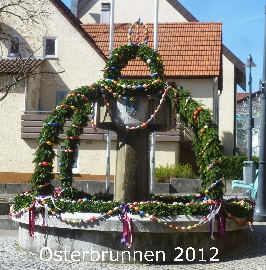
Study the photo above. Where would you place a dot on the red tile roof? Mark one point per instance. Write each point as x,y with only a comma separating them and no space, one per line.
13,66
240,69
186,49
242,96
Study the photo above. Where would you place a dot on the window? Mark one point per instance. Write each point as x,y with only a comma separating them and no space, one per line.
50,47
14,46
60,95
75,167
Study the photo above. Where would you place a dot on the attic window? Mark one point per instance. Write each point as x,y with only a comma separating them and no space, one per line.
14,46
50,47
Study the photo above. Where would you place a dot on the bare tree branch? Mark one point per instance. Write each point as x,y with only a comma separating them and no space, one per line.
24,11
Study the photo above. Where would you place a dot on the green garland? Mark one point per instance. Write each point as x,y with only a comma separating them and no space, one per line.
77,105
166,205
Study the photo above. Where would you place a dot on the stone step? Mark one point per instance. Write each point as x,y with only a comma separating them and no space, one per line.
176,185
7,223
5,207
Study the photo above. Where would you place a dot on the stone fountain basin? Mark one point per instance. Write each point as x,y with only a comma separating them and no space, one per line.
100,240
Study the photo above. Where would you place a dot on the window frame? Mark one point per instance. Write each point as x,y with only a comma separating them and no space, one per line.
14,54
45,46
58,93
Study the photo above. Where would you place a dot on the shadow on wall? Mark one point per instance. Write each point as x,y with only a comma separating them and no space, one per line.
96,17
187,156
228,143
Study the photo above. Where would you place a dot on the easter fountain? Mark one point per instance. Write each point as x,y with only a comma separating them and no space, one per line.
66,224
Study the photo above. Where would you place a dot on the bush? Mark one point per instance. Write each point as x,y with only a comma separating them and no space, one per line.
165,173
232,167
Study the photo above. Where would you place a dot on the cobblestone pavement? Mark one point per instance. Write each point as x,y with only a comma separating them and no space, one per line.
251,255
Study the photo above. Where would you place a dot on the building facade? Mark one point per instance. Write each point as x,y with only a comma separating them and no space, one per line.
242,116
68,49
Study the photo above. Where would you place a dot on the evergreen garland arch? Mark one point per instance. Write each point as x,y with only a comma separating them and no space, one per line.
77,106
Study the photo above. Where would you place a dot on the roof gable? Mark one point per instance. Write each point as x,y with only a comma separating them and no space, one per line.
239,65
76,23
186,49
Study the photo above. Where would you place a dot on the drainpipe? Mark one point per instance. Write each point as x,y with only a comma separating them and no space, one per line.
108,137
25,94
216,99
153,135
260,208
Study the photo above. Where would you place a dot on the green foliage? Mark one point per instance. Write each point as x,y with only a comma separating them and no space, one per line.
159,206
123,54
93,206
165,173
162,209
177,199
232,167
23,200
240,208
206,144
76,106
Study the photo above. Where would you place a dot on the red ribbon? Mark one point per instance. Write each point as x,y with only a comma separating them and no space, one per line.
127,236
128,231
32,220
221,224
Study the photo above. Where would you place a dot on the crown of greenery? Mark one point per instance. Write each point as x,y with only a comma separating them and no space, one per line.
77,105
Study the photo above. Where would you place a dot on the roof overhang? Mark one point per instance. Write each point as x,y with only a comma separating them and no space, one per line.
19,65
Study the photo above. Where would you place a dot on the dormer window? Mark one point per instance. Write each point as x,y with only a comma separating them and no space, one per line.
14,46
50,50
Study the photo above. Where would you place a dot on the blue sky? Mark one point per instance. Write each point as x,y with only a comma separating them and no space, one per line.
243,27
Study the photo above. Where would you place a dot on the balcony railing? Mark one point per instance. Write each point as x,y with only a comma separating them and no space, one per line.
32,123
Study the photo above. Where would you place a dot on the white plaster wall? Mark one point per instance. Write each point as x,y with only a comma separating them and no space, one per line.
226,104
81,66
16,154
77,62
92,158
200,89
127,11
166,153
